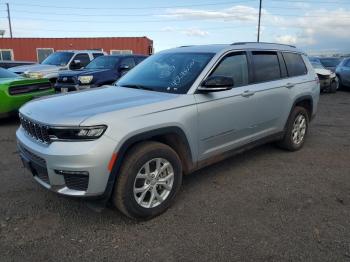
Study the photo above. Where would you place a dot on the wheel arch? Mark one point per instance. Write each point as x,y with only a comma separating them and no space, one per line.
172,136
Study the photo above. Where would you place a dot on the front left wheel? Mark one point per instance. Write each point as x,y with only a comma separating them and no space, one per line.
148,181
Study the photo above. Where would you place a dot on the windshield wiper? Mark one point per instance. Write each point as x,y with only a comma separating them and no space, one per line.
138,87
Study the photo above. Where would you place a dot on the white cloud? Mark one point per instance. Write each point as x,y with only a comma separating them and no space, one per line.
196,32
238,12
317,27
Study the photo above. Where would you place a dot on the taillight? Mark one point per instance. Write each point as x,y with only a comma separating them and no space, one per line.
317,80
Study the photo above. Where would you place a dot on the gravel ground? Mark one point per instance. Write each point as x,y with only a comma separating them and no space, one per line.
263,205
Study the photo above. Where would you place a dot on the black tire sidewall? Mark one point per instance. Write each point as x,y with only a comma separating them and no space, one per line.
130,204
296,112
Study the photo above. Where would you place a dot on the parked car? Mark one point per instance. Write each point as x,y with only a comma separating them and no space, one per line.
177,111
9,63
330,63
343,73
16,90
328,80
103,70
57,61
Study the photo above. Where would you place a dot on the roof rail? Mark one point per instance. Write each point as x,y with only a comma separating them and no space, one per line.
244,43
185,46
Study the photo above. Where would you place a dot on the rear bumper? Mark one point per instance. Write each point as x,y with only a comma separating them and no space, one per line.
77,169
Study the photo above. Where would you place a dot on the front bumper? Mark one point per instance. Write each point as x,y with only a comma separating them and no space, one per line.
61,88
326,83
89,158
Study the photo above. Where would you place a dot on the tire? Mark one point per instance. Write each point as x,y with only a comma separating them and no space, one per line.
132,176
334,86
288,142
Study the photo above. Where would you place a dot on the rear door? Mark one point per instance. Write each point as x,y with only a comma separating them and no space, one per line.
271,99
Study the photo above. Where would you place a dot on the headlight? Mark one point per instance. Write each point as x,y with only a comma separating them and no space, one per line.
76,133
85,79
35,75
332,75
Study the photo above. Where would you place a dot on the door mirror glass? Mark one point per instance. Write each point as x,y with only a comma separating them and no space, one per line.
124,67
217,83
76,64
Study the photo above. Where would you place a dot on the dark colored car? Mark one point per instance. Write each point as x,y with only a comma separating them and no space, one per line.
330,63
343,73
102,70
9,63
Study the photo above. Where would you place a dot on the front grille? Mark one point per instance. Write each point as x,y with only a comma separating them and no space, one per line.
33,157
24,89
66,80
76,182
42,176
37,131
37,165
323,77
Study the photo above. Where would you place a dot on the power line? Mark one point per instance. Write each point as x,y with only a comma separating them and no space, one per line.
134,8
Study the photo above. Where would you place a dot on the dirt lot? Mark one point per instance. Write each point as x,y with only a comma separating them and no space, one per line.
265,204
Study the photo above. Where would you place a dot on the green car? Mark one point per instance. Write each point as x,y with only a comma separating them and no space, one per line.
16,91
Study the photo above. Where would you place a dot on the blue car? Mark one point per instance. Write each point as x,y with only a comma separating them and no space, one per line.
343,73
103,70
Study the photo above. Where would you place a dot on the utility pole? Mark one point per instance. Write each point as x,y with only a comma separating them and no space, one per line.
259,22
9,18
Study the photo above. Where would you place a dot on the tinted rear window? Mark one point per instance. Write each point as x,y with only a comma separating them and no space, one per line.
295,64
266,66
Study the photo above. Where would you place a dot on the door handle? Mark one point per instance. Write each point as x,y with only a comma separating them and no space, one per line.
247,93
289,85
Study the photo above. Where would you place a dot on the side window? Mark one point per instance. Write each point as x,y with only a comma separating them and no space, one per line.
97,54
139,59
295,64
266,66
235,66
84,59
43,53
347,63
129,62
6,54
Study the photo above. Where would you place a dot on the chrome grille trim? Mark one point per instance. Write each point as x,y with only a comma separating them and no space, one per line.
35,130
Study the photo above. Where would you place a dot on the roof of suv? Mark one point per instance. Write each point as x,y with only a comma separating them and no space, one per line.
241,45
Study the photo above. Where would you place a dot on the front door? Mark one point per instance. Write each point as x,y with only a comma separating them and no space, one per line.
224,117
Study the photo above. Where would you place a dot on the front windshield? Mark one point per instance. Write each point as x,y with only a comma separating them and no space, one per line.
7,74
103,62
330,62
167,72
318,66
58,58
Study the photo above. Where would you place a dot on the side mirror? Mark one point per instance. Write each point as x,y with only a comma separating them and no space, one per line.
124,67
216,83
76,64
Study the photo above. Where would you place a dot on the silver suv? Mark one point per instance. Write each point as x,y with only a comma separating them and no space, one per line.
177,111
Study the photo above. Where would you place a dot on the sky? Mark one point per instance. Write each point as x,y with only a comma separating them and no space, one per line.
317,27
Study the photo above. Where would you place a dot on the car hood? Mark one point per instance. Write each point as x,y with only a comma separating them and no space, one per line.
81,72
34,68
324,72
73,108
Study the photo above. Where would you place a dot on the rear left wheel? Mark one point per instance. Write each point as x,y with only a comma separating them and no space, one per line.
296,129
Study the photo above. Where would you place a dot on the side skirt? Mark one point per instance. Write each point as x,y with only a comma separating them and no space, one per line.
228,154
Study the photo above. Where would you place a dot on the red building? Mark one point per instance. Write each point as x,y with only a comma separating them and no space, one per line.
37,49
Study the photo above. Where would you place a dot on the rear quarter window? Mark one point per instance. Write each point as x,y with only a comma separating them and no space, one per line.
295,64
